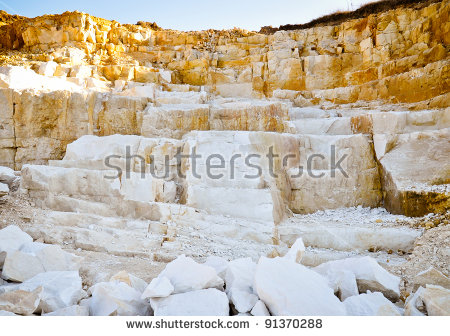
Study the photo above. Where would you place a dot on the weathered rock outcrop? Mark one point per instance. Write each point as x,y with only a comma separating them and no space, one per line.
138,142
398,55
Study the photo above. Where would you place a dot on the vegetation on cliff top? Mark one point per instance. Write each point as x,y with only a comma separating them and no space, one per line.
362,12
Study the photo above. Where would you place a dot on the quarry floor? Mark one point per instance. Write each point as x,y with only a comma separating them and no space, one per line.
432,249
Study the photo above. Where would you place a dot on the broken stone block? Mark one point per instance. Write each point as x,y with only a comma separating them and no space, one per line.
368,273
186,275
430,300
34,258
291,289
21,302
60,289
431,276
159,287
116,298
370,304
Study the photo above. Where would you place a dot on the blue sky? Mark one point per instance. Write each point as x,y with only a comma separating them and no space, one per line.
190,14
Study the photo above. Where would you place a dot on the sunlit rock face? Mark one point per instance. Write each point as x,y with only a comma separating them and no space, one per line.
132,149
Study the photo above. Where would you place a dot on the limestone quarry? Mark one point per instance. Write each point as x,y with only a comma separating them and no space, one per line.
147,171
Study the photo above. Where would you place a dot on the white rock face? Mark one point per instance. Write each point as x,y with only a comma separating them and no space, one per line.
358,186
60,289
186,275
411,168
296,251
289,289
370,304
70,311
34,258
235,188
205,302
368,273
260,309
21,302
116,298
158,288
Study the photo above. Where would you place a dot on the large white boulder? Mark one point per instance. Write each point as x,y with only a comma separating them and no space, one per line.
370,304
60,289
289,289
20,266
34,258
205,302
21,302
368,273
187,275
11,239
116,298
